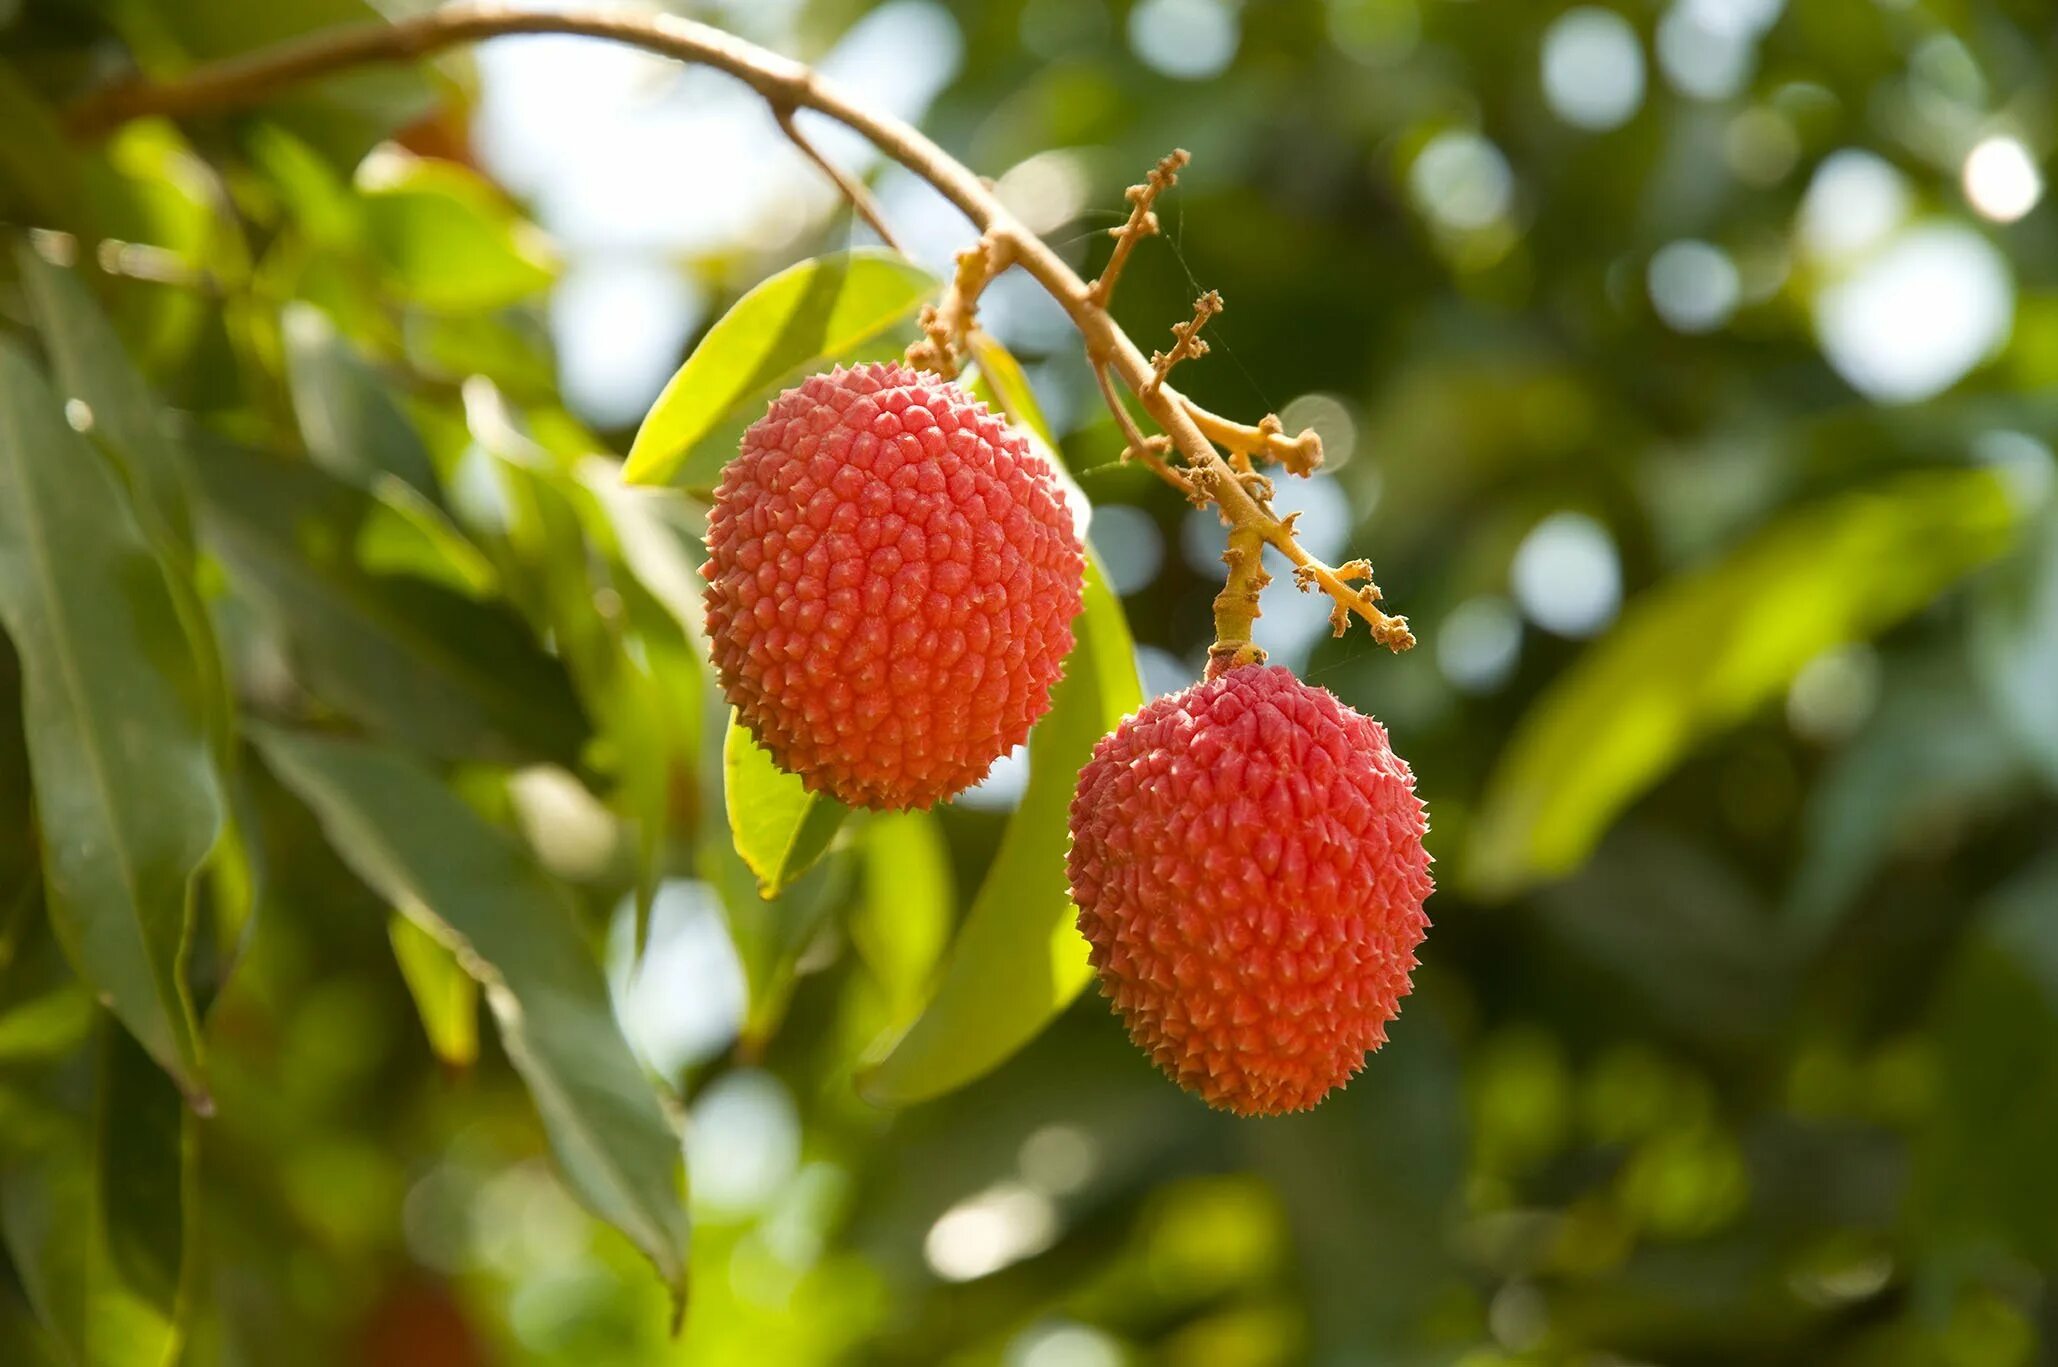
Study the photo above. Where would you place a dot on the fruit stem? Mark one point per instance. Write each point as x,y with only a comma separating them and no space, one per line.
1236,606
787,85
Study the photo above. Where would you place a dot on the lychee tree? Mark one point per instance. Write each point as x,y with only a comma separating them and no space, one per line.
900,589
322,611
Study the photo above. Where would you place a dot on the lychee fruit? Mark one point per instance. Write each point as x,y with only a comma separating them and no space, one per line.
892,576
1247,860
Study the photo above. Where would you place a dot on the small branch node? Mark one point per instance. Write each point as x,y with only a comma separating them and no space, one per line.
1186,340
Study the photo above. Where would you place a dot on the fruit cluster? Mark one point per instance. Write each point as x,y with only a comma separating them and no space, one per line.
892,579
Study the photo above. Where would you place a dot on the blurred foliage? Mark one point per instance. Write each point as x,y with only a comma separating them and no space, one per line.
1689,370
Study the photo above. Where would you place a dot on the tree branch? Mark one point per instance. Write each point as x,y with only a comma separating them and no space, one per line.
787,85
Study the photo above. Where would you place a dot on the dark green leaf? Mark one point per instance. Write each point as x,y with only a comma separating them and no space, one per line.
1897,777
780,828
794,323
1019,959
479,892
2015,644
431,668
353,428
126,792
1700,653
90,365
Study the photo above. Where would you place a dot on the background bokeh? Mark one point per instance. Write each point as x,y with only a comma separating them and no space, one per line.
1689,371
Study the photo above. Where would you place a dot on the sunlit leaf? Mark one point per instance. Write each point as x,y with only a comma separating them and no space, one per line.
126,792
1019,959
780,828
478,891
445,996
449,676
797,321
353,427
447,238
1699,653
53,1023
95,1223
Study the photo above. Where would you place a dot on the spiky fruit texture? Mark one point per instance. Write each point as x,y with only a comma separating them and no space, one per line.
1247,859
892,577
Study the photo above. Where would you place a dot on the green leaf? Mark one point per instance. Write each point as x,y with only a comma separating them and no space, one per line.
353,427
95,1223
796,322
126,791
447,238
1700,653
87,358
1019,958
53,1023
91,366
901,925
433,669
478,891
780,828
444,994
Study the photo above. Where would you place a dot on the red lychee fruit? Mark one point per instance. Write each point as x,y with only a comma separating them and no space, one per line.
892,577
1247,859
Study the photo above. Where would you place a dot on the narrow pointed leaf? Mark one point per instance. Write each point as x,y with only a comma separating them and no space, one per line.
427,666
1701,652
126,792
798,321
780,828
90,365
480,893
1019,958
353,428
445,996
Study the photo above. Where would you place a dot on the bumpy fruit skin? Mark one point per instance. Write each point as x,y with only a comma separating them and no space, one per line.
892,577
1247,860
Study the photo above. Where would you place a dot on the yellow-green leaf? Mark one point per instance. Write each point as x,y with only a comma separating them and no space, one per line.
1701,652
1019,958
445,996
447,238
780,828
798,321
